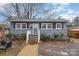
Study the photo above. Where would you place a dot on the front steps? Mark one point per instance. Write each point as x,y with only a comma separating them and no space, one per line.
33,39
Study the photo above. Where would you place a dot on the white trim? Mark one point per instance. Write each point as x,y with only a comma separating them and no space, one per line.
51,26
37,26
27,35
46,26
25,24
42,25
60,24
39,36
20,26
16,26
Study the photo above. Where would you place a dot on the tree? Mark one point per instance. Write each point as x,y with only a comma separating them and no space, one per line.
28,11
76,21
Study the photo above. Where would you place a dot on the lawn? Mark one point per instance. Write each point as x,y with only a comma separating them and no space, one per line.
17,45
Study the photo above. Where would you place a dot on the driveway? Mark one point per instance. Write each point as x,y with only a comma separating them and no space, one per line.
58,48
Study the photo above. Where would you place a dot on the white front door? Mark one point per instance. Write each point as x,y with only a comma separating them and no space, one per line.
34,28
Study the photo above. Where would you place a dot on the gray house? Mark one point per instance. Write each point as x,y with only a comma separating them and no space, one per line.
36,27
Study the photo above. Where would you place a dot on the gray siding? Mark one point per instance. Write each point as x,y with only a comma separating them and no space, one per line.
47,31
14,31
12,26
57,31
54,30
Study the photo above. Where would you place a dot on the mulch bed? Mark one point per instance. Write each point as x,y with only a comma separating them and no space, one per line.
55,43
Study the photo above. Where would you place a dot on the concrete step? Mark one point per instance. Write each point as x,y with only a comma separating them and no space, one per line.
33,39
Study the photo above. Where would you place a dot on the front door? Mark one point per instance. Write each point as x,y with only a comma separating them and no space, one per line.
34,28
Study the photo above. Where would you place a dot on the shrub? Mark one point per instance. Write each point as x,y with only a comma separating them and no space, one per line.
61,35
58,36
45,37
20,36
55,36
16,36
9,35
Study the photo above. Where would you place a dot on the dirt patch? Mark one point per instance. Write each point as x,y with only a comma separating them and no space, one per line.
58,48
55,43
17,45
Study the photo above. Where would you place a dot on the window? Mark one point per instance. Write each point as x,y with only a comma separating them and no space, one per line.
24,26
21,26
43,25
58,25
18,26
46,25
49,25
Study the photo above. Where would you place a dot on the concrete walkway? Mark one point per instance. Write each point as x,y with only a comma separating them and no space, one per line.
29,50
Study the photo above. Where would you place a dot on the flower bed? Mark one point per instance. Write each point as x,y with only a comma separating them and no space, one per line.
54,37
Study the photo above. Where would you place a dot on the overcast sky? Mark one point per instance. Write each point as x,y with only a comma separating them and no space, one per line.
67,10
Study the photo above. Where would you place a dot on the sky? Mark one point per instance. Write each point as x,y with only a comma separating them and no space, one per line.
65,10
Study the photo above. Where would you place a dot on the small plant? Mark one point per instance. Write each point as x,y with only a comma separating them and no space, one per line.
58,36
61,36
55,36
9,35
45,37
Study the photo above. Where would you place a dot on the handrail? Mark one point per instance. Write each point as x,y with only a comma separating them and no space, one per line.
29,33
38,36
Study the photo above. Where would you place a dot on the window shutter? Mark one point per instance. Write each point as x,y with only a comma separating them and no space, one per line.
14,25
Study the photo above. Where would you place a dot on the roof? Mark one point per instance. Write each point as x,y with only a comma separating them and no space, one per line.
38,20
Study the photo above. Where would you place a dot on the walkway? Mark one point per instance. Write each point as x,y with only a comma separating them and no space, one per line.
29,50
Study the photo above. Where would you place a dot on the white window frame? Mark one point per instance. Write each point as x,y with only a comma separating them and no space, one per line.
24,23
20,26
51,26
42,25
57,25
16,26
46,26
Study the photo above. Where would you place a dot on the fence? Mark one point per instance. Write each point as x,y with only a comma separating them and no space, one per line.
74,33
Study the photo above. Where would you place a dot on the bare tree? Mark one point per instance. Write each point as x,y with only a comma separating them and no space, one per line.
31,9
76,21
27,10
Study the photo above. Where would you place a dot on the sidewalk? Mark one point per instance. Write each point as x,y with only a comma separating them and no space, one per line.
29,50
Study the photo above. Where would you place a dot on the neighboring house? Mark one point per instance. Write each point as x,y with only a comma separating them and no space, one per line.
38,26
